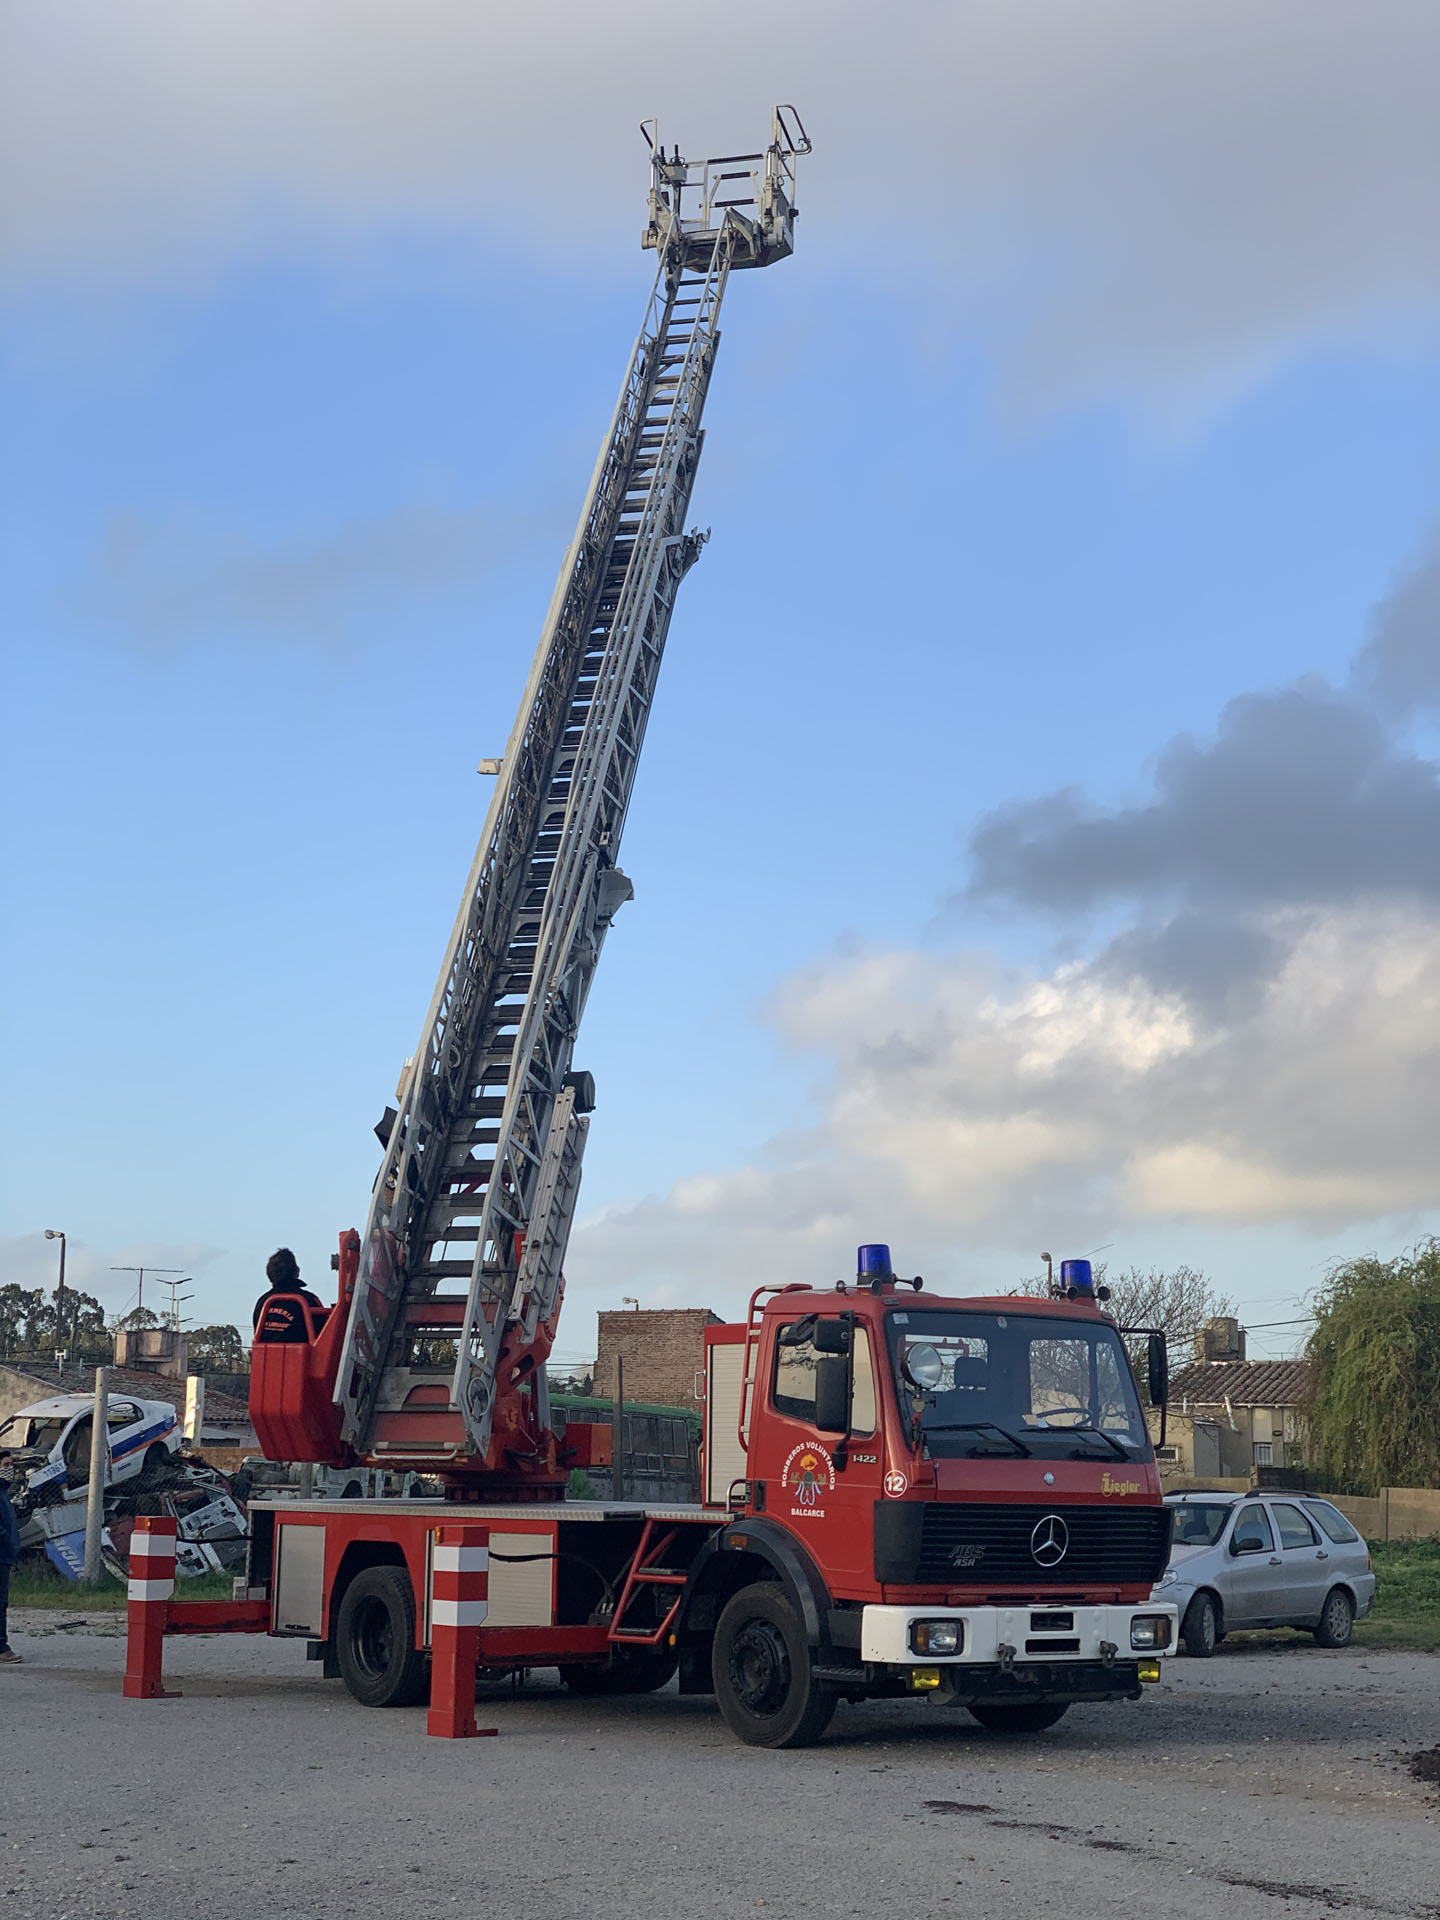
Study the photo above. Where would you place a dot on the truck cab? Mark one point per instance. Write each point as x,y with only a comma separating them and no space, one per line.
967,1486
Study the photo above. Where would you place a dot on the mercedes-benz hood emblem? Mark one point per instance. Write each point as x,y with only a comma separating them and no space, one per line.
1049,1541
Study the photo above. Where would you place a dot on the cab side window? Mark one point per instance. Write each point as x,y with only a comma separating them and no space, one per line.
1252,1529
792,1390
1295,1529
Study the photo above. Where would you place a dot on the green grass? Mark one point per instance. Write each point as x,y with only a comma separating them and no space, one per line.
32,1586
1407,1596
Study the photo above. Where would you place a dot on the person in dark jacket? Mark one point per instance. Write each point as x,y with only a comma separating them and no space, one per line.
277,1312
9,1554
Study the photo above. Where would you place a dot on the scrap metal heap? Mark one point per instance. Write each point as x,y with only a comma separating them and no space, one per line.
450,1298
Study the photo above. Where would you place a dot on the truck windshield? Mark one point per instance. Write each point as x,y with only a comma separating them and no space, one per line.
1058,1387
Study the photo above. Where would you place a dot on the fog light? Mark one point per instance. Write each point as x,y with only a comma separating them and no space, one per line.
1148,1670
1151,1631
935,1636
924,1679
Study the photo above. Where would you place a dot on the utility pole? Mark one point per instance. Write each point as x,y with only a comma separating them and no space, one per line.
617,1434
99,1472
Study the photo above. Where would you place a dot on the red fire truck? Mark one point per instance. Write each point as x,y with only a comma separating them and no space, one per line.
902,1493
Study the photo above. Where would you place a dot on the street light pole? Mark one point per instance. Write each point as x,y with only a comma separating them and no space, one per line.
53,1233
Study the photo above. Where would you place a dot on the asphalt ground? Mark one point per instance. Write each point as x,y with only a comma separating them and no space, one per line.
1263,1782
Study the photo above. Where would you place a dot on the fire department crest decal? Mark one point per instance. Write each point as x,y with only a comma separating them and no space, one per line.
808,1475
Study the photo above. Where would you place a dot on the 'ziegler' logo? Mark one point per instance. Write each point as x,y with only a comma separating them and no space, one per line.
809,1475
1107,1485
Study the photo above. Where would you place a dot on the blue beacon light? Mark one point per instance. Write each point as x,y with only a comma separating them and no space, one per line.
873,1262
1077,1280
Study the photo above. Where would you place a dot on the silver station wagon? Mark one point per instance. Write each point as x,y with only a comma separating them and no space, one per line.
1264,1560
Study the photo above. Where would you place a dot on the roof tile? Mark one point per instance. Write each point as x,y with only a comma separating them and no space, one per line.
1245,1383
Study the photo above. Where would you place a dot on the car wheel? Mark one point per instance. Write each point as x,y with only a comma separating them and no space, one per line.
1020,1719
1337,1619
1200,1630
629,1671
765,1685
375,1640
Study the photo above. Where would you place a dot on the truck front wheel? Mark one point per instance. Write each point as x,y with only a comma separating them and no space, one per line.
764,1682
375,1640
1020,1719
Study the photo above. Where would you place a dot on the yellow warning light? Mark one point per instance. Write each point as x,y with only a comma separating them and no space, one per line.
924,1679
1149,1670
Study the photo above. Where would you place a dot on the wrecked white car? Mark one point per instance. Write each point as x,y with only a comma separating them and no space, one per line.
49,1446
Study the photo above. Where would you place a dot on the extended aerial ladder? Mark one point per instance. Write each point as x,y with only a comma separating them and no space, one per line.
453,1291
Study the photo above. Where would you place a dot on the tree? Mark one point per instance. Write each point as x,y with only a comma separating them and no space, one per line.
216,1349
1373,1403
18,1306
137,1319
35,1325
1176,1300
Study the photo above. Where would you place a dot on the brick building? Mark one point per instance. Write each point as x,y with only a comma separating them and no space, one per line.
663,1349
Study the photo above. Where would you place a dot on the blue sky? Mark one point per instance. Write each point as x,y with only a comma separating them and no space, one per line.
1102,391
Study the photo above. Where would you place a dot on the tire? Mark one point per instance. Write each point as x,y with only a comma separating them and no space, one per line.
1020,1719
628,1672
1200,1629
1337,1619
764,1682
375,1640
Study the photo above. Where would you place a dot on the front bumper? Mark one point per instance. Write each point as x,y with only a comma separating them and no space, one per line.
1011,1639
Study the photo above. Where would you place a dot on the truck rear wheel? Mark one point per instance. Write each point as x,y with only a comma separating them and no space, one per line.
1023,1719
375,1640
629,1671
765,1685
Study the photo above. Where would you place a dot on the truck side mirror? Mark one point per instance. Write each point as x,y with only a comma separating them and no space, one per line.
832,1413
1158,1363
831,1336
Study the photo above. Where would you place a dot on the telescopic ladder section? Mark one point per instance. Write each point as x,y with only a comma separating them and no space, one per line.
471,1212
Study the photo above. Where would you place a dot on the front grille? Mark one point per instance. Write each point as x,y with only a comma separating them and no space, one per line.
965,1542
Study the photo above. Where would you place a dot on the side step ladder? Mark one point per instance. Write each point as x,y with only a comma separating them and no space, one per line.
647,1571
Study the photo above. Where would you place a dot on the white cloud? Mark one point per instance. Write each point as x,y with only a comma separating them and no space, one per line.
966,1113
1163,199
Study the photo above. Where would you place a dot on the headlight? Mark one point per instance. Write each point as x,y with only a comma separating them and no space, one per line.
1150,1632
936,1636
1168,1578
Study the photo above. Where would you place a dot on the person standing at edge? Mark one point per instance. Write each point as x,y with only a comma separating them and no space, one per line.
280,1304
9,1554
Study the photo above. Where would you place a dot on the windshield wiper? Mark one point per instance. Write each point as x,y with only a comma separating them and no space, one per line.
979,1426
1100,1434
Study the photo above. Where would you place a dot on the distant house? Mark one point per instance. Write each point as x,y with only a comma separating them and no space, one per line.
663,1349
1233,1418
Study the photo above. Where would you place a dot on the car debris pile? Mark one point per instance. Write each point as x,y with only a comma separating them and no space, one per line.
45,1455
